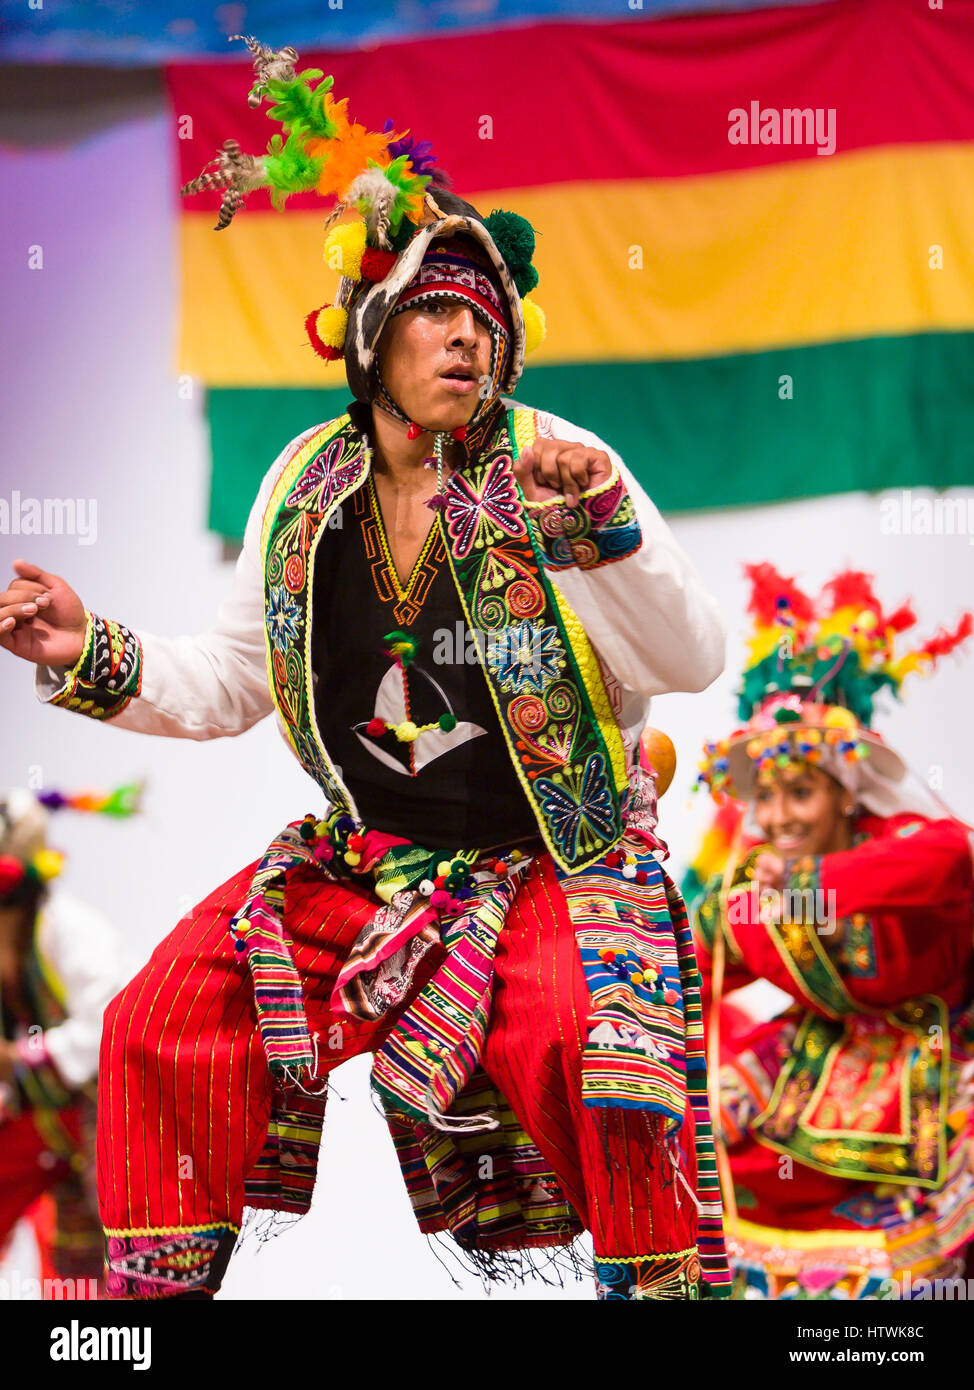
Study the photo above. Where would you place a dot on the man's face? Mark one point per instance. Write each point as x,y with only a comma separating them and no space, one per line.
433,361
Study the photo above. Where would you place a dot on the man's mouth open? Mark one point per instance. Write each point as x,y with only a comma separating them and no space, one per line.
459,379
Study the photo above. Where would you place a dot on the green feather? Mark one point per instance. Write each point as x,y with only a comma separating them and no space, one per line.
300,108
850,685
289,168
406,187
124,800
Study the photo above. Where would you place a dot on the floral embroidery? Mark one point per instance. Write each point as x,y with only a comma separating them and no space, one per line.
545,680
579,808
283,617
478,514
601,529
525,657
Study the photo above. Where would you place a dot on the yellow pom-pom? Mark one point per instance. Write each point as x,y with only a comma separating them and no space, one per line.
534,324
48,863
352,857
407,731
331,325
839,717
344,247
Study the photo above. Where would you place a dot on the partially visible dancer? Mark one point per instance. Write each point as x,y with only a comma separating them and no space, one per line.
60,965
846,1118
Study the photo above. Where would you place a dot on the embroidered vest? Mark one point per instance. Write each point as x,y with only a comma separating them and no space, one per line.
542,673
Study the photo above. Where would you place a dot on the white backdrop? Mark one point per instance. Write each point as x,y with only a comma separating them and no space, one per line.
91,410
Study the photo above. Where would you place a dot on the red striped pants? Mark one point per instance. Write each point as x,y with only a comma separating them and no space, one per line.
181,1045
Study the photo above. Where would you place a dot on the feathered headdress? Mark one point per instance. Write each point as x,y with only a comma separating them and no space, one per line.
24,855
815,667
381,177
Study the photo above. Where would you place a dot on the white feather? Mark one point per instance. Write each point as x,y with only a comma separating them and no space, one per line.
374,196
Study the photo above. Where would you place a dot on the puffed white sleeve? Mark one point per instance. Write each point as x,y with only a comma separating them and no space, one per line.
208,686
641,601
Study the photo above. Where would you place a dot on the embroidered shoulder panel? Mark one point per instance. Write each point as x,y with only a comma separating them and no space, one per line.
328,468
543,676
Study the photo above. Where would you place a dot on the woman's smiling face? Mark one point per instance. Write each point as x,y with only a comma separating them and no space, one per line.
803,811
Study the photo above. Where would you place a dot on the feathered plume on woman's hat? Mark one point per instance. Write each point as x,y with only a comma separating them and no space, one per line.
815,668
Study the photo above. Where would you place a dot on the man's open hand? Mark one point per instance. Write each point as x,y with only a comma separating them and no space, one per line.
556,467
41,618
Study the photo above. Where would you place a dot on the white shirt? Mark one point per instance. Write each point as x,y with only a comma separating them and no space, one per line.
649,618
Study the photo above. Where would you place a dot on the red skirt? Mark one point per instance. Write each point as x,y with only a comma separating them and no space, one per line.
192,1127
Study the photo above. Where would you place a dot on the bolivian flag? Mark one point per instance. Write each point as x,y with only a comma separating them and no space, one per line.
755,241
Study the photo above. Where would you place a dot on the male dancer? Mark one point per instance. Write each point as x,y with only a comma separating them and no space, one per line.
480,905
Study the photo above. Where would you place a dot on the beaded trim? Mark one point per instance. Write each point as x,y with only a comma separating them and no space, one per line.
107,675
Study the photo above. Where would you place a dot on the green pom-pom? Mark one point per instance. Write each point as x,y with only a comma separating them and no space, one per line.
787,716
402,645
447,722
514,238
400,239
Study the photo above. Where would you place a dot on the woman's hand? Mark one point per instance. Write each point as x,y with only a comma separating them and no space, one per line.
769,872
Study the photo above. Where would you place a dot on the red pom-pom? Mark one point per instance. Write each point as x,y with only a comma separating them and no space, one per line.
330,354
502,870
375,728
613,859
642,876
414,431
670,996
439,880
460,433
11,872
377,263
356,842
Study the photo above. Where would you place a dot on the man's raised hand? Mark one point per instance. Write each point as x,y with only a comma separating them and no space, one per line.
556,467
41,618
